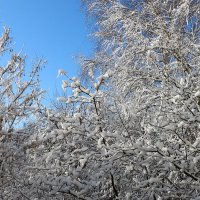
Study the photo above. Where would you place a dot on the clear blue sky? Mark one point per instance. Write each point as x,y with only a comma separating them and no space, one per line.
54,30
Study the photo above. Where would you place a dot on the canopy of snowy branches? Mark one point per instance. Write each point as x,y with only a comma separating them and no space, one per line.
130,128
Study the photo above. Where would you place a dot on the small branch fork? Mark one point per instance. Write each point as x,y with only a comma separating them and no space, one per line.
113,186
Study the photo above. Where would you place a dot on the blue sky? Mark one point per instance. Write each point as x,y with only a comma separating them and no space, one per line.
54,30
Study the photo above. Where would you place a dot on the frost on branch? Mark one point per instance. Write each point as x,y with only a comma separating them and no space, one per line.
61,72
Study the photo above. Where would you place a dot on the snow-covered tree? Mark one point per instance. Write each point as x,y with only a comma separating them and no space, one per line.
20,98
20,94
153,49
133,131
